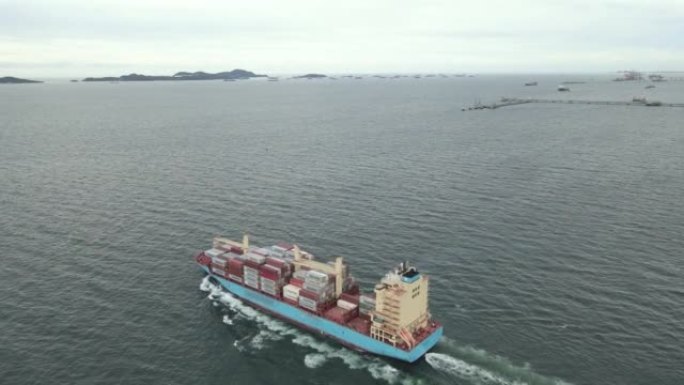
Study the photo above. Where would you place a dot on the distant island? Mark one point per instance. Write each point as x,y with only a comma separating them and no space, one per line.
311,76
183,75
13,80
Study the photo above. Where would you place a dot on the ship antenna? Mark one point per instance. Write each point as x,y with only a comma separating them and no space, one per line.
245,241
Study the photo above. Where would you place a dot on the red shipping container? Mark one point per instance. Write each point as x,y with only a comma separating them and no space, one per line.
297,282
338,314
270,275
354,289
235,266
252,264
352,298
269,272
309,294
291,301
273,261
270,268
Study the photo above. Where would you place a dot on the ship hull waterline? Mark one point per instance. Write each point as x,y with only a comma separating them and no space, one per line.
316,324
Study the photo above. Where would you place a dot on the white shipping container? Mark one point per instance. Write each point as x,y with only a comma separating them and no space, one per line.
213,253
292,289
256,258
316,276
315,287
235,277
304,300
291,296
345,305
300,274
219,272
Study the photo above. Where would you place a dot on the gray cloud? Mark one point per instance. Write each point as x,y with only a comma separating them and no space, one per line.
67,37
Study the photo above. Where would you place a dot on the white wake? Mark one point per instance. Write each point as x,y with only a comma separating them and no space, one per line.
274,330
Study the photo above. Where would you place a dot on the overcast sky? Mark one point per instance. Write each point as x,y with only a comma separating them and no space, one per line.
111,37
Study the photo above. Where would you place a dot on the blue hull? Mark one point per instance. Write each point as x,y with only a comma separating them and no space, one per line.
343,334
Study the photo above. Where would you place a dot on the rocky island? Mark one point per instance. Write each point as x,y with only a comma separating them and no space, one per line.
183,75
13,80
311,76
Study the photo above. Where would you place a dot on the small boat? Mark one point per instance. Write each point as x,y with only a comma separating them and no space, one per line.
649,86
563,88
530,84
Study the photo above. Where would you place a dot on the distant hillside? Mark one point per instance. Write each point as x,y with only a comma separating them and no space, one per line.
183,75
311,76
13,80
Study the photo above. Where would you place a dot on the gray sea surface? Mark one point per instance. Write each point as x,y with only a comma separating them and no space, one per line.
553,234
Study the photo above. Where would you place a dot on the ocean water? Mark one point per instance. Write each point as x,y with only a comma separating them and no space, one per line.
553,234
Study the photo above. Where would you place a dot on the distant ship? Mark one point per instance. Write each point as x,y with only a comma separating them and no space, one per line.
530,84
563,88
393,320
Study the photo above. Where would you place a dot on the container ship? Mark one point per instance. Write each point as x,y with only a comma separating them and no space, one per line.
323,297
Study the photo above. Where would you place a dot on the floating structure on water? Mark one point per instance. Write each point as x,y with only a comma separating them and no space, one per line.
507,102
393,320
630,76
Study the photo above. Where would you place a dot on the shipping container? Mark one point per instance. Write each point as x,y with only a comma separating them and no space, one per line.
236,266
346,305
300,274
260,251
213,253
316,276
352,298
290,296
234,277
308,303
293,302
292,288
254,259
339,315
